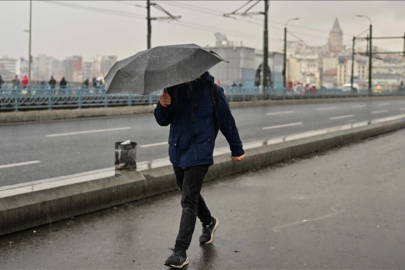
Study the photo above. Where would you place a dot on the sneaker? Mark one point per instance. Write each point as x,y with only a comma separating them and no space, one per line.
207,235
178,259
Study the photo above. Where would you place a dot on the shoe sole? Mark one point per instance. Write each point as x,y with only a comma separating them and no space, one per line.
180,266
212,234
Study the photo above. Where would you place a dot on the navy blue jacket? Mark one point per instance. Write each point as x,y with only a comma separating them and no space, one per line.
192,127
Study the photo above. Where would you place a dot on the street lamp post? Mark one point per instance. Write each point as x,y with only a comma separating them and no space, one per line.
149,19
29,49
351,77
149,27
265,71
370,55
285,52
264,78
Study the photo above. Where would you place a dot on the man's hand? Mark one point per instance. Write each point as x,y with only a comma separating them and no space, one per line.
237,159
165,99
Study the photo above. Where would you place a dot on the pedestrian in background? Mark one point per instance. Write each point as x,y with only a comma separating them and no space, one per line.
52,82
63,83
401,86
194,122
101,82
86,83
24,81
1,82
16,82
94,82
43,84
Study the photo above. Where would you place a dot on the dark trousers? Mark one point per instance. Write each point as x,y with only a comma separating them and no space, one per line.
190,182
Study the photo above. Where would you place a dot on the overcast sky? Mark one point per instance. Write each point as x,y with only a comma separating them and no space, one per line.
61,31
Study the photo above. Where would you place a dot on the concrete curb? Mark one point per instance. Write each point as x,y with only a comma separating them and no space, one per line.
43,202
66,114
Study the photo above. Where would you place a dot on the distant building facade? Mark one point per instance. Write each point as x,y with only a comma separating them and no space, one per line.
305,68
344,70
9,67
73,68
244,65
88,69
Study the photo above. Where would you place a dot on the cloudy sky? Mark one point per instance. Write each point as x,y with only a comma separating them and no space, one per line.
91,28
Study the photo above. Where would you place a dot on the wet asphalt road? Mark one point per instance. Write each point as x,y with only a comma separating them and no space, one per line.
57,153
341,209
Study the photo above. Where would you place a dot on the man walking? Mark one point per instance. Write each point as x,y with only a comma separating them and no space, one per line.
194,122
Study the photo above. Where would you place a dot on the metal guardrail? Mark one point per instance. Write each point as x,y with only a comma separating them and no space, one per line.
31,98
28,99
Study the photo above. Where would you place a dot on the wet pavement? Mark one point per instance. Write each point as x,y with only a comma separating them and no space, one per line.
338,209
79,152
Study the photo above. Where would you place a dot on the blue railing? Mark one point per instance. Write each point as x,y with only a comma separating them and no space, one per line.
51,98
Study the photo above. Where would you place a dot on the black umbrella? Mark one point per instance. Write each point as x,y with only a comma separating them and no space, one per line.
158,68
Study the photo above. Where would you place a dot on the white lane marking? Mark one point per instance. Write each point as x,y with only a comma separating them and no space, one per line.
19,164
379,112
153,144
324,109
340,117
280,126
358,106
383,104
86,132
276,113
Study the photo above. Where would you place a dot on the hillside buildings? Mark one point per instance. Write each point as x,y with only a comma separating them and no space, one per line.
330,65
73,68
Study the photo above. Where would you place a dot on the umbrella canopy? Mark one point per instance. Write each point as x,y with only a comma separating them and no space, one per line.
158,68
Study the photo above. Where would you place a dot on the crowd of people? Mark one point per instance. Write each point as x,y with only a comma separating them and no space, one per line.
17,84
95,83
52,83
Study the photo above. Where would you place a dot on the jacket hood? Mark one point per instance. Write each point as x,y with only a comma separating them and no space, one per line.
206,77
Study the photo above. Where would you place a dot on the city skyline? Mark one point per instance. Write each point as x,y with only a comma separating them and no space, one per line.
96,33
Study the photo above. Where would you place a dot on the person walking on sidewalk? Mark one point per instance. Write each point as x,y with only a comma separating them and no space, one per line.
195,113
